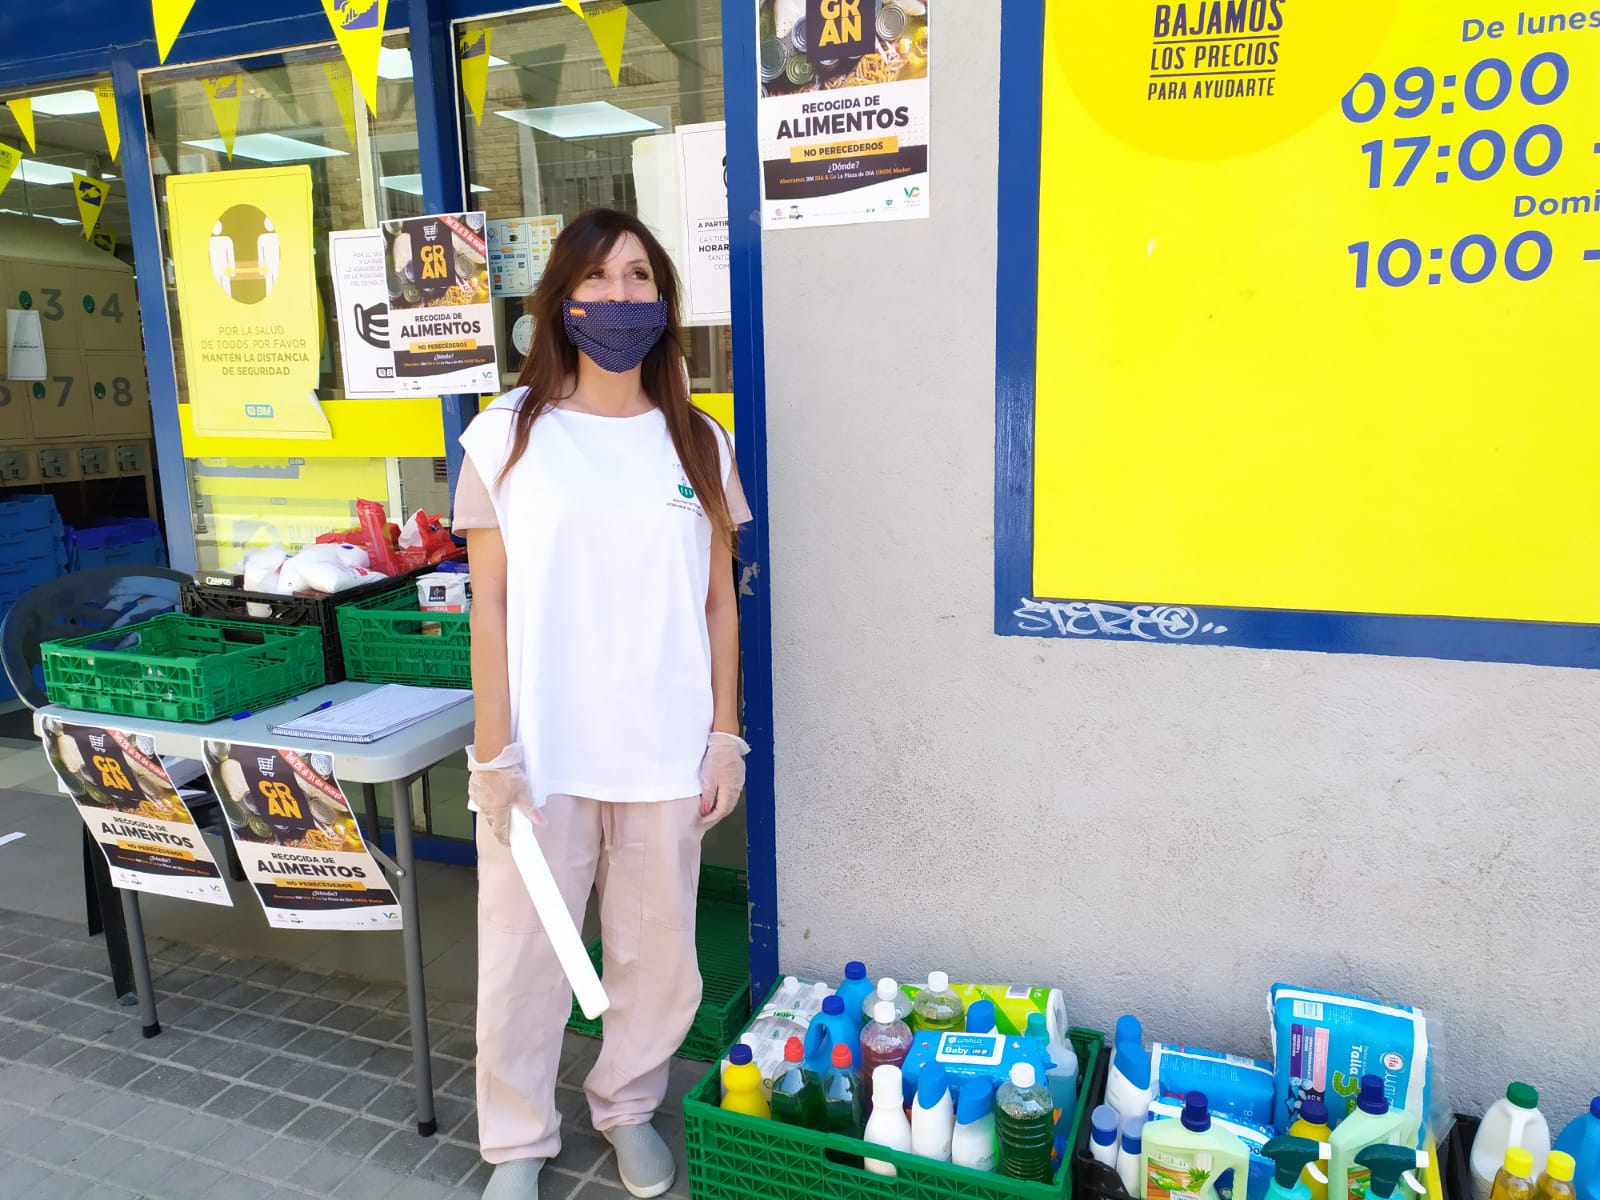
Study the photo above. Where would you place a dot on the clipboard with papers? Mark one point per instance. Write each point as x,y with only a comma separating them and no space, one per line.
373,716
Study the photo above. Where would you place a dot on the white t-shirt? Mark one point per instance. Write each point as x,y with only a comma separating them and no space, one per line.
608,561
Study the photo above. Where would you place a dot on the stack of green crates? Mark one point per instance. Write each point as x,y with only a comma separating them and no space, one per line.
388,639
722,944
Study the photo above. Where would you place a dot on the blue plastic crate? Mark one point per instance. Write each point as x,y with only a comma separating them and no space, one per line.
136,540
28,514
19,576
152,552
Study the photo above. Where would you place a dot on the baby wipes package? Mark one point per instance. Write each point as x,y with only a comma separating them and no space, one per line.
1251,1134
967,1056
1324,1042
1234,1086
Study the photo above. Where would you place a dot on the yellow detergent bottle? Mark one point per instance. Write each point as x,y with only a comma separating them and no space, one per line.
1181,1159
1371,1123
1312,1124
742,1079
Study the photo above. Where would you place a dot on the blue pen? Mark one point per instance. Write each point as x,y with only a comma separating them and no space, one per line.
240,716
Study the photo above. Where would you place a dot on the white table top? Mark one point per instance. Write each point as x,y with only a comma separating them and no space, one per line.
395,757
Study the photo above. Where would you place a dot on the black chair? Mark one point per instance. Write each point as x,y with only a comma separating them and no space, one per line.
85,602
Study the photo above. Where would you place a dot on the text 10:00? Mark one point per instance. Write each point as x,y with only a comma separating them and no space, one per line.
1487,85
1472,259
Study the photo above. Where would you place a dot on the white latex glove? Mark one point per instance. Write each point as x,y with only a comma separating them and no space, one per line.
498,786
721,776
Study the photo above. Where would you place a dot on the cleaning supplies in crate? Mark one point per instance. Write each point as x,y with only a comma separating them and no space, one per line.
741,1082
1512,1120
1514,1179
1385,1165
1104,1129
796,1097
936,1007
1013,1005
888,989
1581,1139
1235,1086
1556,1181
1253,1137
854,989
1130,1145
1024,1125
829,1029
787,1013
1324,1042
843,1104
1374,1121
1130,1083
974,1143
888,1125
1185,1156
1312,1124
884,1040
972,1056
933,1116
1061,1075
1291,1158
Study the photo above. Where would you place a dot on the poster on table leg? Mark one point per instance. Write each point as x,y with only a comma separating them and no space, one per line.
842,111
135,815
298,842
441,321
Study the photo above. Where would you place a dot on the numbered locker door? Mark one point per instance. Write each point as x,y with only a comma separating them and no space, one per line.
60,404
118,395
50,290
15,427
108,310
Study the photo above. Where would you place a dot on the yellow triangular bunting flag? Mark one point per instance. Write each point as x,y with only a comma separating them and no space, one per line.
169,16
105,240
358,28
574,5
224,93
22,110
473,49
91,196
10,156
106,97
608,29
340,83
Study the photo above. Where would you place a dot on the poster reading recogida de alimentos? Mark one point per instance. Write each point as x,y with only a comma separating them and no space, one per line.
843,111
441,321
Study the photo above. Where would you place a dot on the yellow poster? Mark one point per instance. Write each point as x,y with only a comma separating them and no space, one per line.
169,16
1316,308
473,50
242,252
358,28
105,97
22,110
10,156
608,29
223,93
91,196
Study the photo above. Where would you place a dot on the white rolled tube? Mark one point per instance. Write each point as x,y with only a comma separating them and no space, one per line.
555,918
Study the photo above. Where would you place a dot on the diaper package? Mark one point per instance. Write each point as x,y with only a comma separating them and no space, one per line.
1234,1086
1324,1042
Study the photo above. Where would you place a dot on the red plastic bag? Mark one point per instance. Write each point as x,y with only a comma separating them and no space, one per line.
379,541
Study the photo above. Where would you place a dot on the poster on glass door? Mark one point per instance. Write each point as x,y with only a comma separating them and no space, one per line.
441,321
703,182
356,258
842,111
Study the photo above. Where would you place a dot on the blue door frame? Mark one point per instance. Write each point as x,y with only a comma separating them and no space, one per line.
52,43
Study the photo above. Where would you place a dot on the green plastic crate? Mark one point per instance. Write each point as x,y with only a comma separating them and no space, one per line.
387,639
722,945
179,668
735,1157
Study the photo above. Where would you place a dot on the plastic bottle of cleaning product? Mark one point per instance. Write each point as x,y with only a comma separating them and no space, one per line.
1312,1124
1513,1120
884,1039
1187,1156
1385,1165
974,1144
742,1084
797,1092
829,1028
1104,1127
1370,1123
887,1126
1291,1155
842,1101
936,1007
1581,1139
1024,1125
933,1115
1514,1180
1132,1145
1556,1182
854,990
1130,1084
888,989
980,1016
1061,1076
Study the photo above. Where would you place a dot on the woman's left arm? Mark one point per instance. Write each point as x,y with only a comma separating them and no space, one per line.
722,768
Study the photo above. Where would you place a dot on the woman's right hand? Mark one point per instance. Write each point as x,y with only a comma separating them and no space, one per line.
497,787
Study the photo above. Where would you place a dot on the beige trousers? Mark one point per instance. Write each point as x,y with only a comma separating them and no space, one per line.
645,860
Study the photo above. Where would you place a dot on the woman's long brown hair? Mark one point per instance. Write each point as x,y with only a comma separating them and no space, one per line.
553,359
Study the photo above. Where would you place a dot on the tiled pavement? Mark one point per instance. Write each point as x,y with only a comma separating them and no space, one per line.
265,1081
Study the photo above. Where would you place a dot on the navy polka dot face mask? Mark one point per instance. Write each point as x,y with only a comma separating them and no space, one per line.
617,334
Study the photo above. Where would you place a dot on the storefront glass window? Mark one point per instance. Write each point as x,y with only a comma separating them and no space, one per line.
557,138
298,106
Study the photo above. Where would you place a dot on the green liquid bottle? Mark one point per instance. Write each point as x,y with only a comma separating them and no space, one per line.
796,1092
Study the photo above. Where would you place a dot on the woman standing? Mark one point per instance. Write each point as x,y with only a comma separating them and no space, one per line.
600,510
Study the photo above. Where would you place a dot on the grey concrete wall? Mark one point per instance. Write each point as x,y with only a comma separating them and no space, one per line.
1159,829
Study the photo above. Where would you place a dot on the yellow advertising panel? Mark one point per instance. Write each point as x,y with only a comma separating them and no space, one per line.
241,247
1315,308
